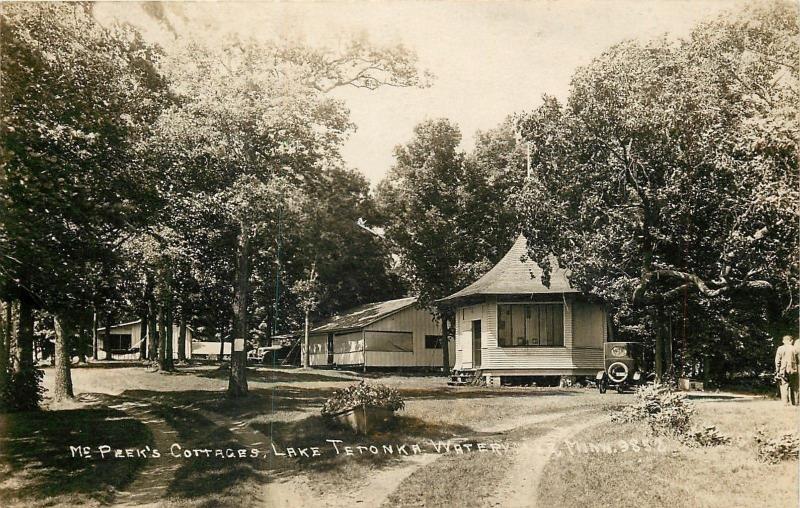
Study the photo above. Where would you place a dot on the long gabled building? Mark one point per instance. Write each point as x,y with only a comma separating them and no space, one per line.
395,333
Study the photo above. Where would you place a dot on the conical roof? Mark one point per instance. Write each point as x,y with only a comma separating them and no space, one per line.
516,274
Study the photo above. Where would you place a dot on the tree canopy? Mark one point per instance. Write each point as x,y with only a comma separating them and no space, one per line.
669,178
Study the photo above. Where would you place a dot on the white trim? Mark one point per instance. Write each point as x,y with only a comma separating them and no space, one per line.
121,325
531,303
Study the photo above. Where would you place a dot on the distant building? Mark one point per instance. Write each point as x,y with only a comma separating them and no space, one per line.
510,324
125,341
210,350
395,333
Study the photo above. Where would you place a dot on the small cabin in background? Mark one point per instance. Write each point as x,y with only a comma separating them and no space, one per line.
125,341
509,324
209,350
392,334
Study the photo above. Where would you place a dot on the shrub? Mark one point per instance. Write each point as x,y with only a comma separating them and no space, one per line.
665,411
362,394
23,391
707,436
774,450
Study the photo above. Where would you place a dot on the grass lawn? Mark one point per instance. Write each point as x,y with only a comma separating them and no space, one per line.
189,407
673,475
283,408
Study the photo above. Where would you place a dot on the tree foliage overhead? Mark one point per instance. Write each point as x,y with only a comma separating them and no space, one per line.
448,214
75,98
669,178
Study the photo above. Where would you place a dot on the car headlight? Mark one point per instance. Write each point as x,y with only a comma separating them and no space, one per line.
618,351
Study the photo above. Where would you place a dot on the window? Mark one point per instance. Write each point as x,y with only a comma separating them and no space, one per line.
530,325
391,342
118,342
433,342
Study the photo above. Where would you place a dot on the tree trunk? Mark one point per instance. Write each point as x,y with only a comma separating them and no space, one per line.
5,318
169,361
305,344
145,330
162,339
9,331
107,338
152,333
25,335
182,337
659,359
12,326
82,331
445,346
668,360
62,389
143,339
706,371
237,382
95,345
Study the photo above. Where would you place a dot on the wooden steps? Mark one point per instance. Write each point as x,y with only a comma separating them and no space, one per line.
462,378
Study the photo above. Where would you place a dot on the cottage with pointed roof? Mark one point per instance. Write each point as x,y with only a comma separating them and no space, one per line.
509,324
392,334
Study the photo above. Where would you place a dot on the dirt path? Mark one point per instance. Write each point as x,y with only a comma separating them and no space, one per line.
525,421
521,486
376,489
373,491
295,490
151,482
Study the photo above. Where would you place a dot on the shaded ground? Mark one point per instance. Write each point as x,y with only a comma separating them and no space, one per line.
131,408
37,465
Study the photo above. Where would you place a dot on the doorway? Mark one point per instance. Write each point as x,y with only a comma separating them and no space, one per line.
476,344
330,349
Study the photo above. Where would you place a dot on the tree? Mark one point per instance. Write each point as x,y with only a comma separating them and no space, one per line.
445,212
273,130
668,181
75,97
308,294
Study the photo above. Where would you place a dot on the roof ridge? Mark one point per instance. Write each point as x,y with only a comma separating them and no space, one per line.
516,273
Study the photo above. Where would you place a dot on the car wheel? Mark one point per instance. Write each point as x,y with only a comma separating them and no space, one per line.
602,386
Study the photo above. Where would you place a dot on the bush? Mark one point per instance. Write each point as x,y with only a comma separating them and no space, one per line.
24,391
668,413
362,394
774,450
707,436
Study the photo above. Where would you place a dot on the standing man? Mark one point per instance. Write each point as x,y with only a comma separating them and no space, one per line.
786,370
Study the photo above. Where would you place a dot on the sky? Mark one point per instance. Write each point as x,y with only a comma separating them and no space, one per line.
490,59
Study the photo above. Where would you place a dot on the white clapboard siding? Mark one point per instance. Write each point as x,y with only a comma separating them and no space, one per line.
412,319
348,348
134,329
318,349
589,333
579,353
464,318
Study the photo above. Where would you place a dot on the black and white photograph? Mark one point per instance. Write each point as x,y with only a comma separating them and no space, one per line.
379,254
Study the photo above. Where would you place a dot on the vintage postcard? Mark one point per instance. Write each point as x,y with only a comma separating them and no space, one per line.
400,253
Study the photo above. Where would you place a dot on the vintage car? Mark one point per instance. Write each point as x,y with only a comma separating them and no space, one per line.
263,354
624,366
